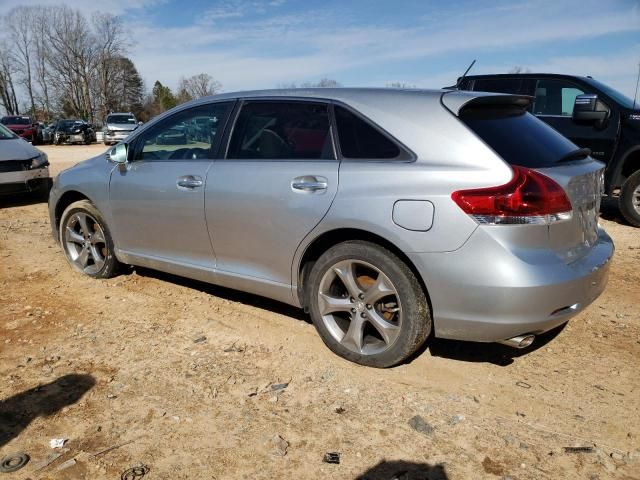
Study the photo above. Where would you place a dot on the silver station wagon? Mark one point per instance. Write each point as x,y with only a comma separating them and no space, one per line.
389,215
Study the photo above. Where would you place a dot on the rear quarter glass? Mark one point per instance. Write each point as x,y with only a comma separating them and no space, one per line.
517,136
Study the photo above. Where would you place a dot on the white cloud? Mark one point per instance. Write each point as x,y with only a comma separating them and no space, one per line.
262,52
117,7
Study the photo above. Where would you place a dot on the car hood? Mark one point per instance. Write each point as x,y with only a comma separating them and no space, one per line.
17,149
121,126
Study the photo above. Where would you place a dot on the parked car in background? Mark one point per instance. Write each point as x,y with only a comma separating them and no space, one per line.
589,113
118,126
23,168
74,131
48,132
23,126
387,214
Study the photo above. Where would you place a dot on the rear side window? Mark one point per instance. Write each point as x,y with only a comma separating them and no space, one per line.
359,139
501,85
517,136
282,130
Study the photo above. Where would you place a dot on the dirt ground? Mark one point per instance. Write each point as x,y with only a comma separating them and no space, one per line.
183,377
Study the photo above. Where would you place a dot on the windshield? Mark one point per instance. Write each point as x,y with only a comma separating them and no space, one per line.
16,121
68,123
623,100
121,119
5,133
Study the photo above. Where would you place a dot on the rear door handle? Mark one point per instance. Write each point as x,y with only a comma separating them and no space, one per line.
189,182
309,183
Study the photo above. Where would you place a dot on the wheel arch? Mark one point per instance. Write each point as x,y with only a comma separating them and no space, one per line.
328,239
66,199
630,163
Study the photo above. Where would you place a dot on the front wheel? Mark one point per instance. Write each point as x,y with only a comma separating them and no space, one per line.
86,241
630,199
367,304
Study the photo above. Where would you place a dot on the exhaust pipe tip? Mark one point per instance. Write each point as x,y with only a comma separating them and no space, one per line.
519,342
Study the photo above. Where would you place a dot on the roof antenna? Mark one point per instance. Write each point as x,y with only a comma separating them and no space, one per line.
635,97
464,74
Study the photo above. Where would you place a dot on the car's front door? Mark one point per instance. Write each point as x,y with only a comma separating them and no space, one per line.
157,198
553,104
276,183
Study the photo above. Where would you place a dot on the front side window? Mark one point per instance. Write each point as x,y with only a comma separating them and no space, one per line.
282,130
359,139
187,135
555,97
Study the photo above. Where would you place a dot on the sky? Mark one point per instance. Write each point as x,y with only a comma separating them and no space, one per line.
247,44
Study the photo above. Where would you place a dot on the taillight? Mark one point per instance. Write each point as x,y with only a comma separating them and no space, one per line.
530,197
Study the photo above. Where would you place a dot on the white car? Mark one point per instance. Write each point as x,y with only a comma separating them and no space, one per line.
23,168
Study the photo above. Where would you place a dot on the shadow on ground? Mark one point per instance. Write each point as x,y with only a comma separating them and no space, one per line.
476,352
494,353
228,294
402,470
18,411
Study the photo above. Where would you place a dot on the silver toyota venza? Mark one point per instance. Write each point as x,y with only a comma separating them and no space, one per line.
387,214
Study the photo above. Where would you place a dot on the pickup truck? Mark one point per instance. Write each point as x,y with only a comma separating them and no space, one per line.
590,114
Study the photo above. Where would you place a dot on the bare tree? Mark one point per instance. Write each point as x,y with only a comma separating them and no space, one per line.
198,86
519,69
322,83
109,36
400,85
7,90
18,23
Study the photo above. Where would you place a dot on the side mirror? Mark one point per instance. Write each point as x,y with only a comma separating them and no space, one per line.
587,109
118,154
140,123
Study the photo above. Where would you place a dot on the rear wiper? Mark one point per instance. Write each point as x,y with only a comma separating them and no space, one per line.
577,154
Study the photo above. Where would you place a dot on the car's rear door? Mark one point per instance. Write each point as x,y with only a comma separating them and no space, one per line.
276,183
157,198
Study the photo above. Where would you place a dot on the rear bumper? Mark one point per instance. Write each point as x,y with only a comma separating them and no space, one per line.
485,292
23,180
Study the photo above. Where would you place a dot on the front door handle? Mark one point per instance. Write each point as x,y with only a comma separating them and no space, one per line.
189,182
309,183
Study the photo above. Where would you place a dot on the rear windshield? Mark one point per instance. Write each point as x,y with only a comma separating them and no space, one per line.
121,119
517,136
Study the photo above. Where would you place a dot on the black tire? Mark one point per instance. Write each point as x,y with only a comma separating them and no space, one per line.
416,322
629,212
111,265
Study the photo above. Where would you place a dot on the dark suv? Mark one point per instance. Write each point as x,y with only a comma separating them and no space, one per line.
591,115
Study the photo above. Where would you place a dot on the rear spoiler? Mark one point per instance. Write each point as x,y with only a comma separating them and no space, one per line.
456,101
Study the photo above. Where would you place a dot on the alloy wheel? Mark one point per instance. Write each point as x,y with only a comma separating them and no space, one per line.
85,242
360,307
635,199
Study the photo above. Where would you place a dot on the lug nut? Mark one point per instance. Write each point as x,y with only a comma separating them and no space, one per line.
352,300
361,296
363,314
368,306
353,310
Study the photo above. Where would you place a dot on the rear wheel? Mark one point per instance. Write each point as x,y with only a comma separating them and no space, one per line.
86,241
630,199
367,305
